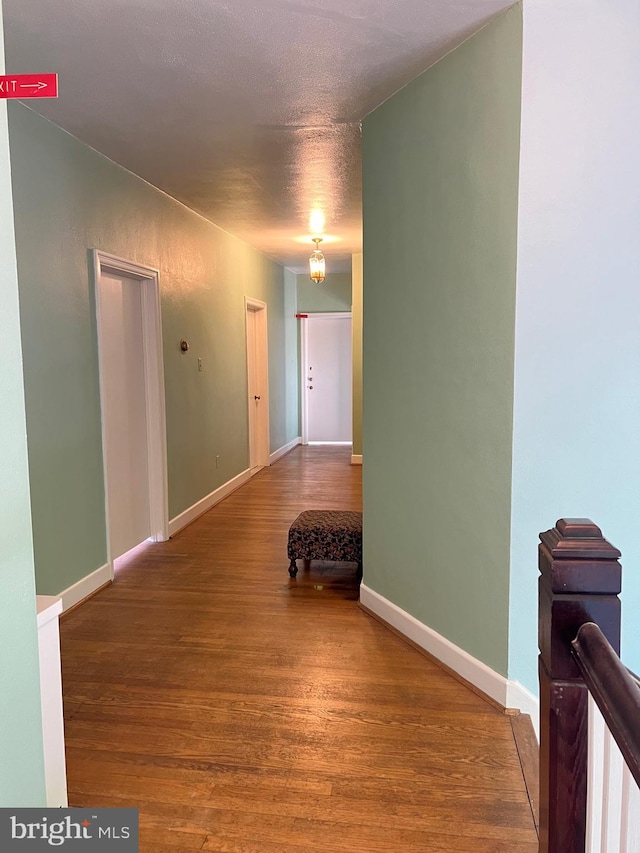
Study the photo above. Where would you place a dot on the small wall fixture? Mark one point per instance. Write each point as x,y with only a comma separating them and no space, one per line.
316,263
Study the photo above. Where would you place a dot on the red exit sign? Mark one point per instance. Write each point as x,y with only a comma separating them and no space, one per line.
29,86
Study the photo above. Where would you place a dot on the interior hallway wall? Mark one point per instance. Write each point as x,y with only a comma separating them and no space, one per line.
334,294
440,178
21,758
577,398
292,355
69,199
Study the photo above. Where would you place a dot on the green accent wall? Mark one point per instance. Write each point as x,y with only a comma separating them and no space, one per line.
21,760
334,294
440,177
69,199
292,355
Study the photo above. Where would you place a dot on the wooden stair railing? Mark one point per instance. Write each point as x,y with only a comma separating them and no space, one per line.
579,583
614,689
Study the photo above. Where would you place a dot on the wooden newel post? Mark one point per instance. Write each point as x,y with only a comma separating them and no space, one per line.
580,581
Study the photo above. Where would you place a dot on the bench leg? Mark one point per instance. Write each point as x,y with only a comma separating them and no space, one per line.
359,573
307,564
293,569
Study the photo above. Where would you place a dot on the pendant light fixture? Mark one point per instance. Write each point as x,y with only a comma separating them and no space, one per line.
316,263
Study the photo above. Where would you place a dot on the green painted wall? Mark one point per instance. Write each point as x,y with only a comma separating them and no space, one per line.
292,346
440,176
21,762
69,199
356,278
334,294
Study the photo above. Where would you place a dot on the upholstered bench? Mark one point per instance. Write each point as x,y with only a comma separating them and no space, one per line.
326,534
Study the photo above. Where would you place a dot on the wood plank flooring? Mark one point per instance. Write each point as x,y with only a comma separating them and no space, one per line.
246,712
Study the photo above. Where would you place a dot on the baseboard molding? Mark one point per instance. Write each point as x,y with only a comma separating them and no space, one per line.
519,697
86,587
497,688
181,521
356,459
286,448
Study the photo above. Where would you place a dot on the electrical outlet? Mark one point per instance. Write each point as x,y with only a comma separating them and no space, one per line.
199,365
217,461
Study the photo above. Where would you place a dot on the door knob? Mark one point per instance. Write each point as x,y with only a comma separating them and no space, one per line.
255,397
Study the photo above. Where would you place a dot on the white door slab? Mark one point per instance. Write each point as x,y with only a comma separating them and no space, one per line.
125,413
328,379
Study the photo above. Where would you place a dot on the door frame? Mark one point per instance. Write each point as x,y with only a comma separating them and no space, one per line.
259,309
304,357
149,280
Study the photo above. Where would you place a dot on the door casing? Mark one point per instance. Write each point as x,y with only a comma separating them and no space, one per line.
257,410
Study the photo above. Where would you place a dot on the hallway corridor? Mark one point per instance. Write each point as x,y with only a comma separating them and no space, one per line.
242,711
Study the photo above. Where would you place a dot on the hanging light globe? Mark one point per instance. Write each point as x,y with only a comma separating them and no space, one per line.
316,263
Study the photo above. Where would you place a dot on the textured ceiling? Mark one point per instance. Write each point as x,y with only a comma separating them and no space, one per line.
246,111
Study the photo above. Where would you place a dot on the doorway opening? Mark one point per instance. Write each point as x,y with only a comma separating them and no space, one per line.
257,382
132,399
326,378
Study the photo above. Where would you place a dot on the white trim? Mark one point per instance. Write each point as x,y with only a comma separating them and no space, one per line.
86,586
509,694
304,361
156,405
259,308
48,607
470,668
149,279
524,701
356,459
332,443
181,521
286,448
327,315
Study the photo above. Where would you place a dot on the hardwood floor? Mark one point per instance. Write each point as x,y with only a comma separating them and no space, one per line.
244,711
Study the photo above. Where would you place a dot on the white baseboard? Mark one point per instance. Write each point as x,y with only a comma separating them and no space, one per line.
85,587
519,697
509,694
286,448
356,459
180,521
89,584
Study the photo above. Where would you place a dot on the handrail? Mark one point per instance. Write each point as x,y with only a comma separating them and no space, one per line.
580,581
634,677
614,690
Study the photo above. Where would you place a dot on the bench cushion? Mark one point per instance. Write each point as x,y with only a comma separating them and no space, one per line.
326,535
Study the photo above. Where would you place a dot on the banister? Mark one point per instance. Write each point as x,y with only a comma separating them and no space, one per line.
633,676
580,582
614,690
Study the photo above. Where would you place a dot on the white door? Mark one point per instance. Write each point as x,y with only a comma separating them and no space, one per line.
328,379
122,377
257,382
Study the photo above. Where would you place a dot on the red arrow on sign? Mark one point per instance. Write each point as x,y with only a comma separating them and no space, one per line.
24,86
